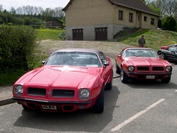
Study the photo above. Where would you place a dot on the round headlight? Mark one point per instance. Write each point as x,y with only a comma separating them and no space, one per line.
168,68
131,68
84,93
18,89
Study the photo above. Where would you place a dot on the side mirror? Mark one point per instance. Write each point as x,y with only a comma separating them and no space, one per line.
106,63
43,62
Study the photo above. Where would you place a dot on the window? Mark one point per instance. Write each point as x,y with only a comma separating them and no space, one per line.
152,21
145,18
130,17
120,15
102,57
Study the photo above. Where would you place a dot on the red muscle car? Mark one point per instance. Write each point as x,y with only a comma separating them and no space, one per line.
142,63
70,80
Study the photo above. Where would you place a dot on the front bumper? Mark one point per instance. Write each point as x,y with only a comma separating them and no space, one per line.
61,106
143,75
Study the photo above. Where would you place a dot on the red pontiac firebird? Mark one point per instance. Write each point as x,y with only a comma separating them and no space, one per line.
71,79
142,63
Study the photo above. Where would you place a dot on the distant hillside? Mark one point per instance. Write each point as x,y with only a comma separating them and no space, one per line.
154,38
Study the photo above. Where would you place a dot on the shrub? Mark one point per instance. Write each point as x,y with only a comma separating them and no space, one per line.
62,36
16,47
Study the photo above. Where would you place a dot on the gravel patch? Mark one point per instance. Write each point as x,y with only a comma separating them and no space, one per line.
111,49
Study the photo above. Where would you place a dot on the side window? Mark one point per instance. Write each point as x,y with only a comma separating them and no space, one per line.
102,57
120,15
130,17
121,52
171,48
145,18
152,21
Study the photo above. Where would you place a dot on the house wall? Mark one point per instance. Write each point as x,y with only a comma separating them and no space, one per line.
91,14
89,31
138,18
147,24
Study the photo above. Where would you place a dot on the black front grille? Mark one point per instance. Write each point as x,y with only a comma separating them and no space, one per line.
143,68
157,69
36,91
63,93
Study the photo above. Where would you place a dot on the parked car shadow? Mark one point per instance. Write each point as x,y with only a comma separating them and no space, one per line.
84,120
150,84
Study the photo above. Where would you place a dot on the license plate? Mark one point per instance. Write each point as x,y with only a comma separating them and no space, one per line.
150,77
49,107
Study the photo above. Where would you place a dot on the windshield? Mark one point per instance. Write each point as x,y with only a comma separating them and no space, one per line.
140,53
74,59
172,48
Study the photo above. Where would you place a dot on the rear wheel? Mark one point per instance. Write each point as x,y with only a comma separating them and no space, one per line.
99,104
166,80
123,76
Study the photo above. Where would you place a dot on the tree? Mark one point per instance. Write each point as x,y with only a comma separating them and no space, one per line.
154,7
164,7
1,9
13,11
144,1
169,23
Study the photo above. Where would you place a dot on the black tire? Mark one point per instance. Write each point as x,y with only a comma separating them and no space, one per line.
26,108
159,53
117,69
109,85
123,77
166,80
99,104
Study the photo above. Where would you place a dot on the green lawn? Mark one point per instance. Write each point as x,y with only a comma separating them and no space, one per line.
52,34
154,38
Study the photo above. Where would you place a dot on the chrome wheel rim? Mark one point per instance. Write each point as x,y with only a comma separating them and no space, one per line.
162,56
121,74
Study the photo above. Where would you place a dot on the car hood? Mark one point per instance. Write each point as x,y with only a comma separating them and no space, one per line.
60,76
146,61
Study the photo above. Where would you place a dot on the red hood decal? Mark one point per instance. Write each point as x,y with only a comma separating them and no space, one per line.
62,76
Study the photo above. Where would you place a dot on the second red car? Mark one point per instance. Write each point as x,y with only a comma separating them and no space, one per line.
142,63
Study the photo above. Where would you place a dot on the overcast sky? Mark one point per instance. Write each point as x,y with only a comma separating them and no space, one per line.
7,4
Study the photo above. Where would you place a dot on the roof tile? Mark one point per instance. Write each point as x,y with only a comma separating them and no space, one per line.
133,4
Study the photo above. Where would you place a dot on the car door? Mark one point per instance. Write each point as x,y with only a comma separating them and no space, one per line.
172,53
107,70
119,58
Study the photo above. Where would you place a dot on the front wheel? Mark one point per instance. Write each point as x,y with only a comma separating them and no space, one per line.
123,76
162,56
109,85
166,80
99,104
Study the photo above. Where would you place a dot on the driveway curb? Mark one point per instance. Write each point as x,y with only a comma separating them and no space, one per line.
6,101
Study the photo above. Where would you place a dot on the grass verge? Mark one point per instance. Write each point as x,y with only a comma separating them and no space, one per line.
154,38
52,34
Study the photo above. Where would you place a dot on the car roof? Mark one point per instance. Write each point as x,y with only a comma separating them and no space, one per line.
79,50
